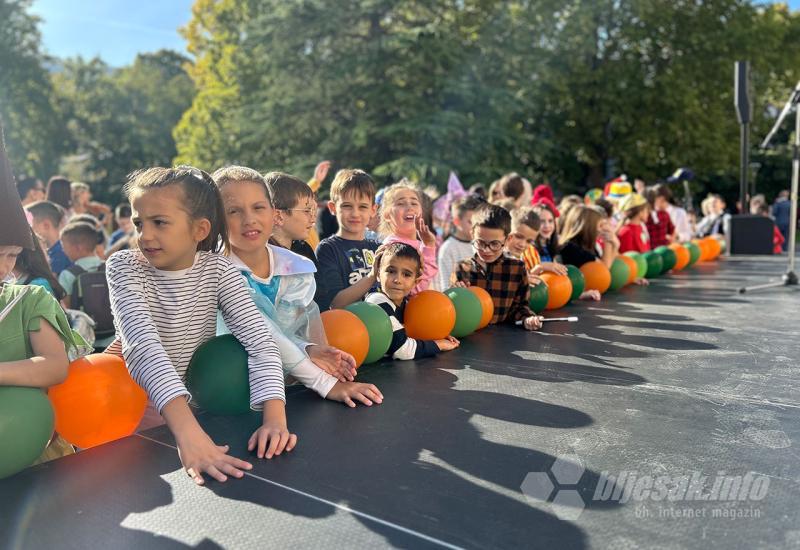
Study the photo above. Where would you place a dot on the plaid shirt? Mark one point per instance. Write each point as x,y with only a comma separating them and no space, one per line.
659,225
505,280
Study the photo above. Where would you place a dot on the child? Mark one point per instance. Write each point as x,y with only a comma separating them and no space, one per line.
32,269
282,284
458,246
762,209
79,240
587,237
401,221
398,267
48,221
122,215
165,296
547,241
504,278
660,228
346,258
631,231
30,190
295,208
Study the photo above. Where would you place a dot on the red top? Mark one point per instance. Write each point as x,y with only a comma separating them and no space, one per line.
777,240
632,237
659,227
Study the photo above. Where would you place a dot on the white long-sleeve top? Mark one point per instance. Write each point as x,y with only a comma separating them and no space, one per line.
161,317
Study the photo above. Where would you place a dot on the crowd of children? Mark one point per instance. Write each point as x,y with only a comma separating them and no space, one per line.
194,255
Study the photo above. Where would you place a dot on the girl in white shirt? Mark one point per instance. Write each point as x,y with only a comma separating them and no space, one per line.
165,296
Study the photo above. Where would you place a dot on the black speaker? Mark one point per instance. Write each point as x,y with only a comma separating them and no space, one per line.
741,91
750,235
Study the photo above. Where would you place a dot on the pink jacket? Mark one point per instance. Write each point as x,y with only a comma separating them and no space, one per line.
428,253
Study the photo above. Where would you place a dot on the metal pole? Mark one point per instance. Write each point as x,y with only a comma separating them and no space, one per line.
745,162
793,198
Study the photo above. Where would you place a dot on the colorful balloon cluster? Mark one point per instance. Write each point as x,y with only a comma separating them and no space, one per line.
559,290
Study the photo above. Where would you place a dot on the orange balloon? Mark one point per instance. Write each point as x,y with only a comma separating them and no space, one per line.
597,276
704,250
487,305
682,256
714,247
429,315
631,263
559,289
98,402
344,330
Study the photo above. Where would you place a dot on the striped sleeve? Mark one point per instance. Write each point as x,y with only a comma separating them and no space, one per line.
245,322
144,354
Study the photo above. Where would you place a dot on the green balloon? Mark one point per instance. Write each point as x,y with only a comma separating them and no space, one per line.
26,426
694,252
641,263
539,296
379,328
619,274
668,258
468,311
218,377
578,282
654,264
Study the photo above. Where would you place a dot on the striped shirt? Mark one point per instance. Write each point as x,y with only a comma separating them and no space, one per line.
531,257
401,347
161,317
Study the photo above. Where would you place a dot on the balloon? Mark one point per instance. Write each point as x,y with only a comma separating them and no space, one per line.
559,290
668,258
682,256
704,249
26,426
654,264
619,274
538,298
468,311
641,263
487,305
378,326
218,377
429,315
632,269
694,252
714,247
578,281
98,402
597,275
344,330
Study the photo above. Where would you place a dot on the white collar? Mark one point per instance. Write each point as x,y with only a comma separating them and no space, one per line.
281,262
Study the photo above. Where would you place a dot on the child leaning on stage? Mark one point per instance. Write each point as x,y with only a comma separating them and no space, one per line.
503,277
398,268
165,295
282,286
346,258
458,246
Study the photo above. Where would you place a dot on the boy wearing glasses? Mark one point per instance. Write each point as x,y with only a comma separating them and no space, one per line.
295,213
503,277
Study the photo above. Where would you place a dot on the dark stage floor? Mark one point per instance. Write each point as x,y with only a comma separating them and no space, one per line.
682,388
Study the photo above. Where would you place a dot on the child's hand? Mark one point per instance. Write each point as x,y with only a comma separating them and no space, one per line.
534,322
199,454
533,280
334,361
345,392
461,284
553,267
590,295
273,437
427,236
448,343
321,171
641,281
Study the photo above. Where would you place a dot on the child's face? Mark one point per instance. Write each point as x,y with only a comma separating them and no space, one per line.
488,243
166,235
353,213
397,276
125,224
404,212
660,203
249,216
520,238
8,259
548,224
463,224
297,221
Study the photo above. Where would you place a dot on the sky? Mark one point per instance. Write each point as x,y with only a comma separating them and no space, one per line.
116,30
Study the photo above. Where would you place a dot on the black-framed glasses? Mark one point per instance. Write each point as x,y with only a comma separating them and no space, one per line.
494,246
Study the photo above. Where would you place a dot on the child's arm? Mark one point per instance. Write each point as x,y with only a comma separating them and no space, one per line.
402,347
429,267
46,368
353,293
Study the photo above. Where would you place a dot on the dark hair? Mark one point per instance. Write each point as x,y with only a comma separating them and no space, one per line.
478,189
83,234
526,216
659,190
33,263
59,191
202,198
24,185
512,186
466,203
349,181
491,216
397,250
550,244
287,190
605,205
46,210
123,210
